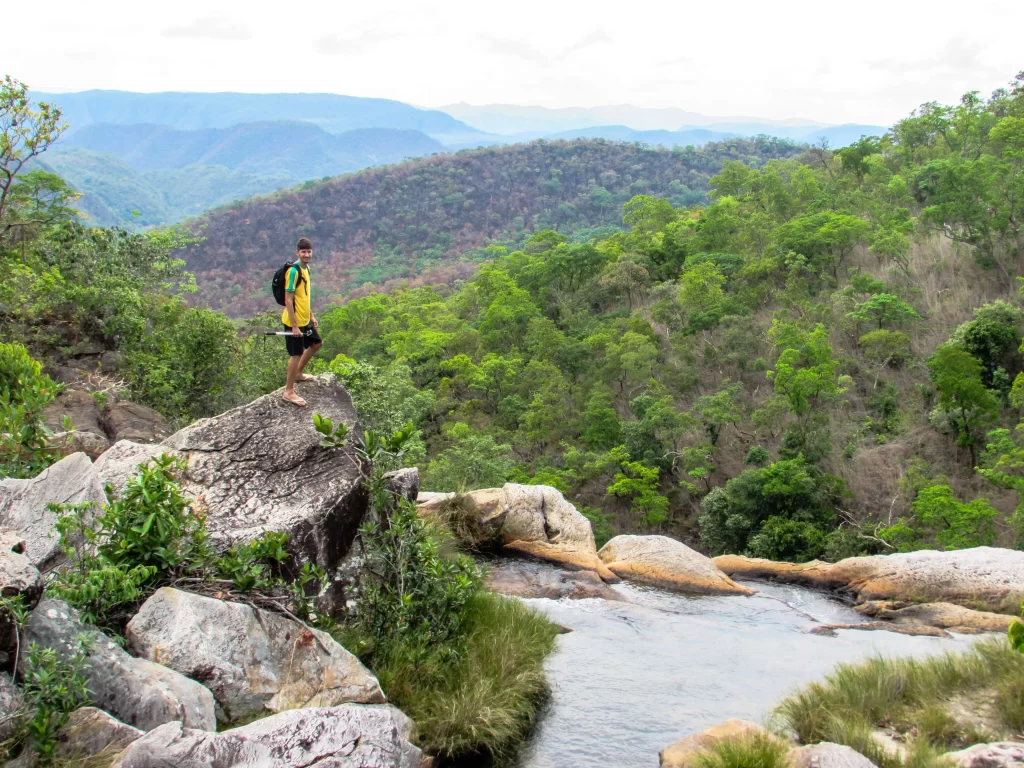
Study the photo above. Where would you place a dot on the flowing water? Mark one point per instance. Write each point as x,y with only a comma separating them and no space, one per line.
631,678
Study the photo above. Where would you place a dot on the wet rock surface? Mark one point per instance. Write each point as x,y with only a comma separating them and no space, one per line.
525,579
253,661
136,691
955,618
349,736
664,562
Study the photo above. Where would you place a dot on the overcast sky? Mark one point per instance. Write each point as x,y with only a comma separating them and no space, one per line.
870,61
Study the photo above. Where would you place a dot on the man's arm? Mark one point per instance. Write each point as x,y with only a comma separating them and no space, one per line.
289,305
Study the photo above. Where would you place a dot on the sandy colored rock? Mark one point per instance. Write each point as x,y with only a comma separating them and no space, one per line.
983,578
907,628
1002,754
349,736
683,754
955,618
136,691
90,731
24,504
253,661
664,562
828,755
526,579
535,520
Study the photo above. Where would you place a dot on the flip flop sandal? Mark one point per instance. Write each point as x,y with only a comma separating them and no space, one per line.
306,377
294,400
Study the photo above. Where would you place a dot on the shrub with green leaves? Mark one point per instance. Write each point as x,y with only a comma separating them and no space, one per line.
25,391
52,688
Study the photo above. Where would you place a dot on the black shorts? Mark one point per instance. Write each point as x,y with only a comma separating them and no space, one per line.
299,344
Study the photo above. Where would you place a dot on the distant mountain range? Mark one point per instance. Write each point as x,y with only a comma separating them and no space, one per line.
144,159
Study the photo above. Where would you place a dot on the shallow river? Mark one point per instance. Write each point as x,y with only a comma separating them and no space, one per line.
631,678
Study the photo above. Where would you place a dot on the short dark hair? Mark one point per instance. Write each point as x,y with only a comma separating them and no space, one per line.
304,244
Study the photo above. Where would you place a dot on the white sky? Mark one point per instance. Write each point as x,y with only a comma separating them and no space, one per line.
867,61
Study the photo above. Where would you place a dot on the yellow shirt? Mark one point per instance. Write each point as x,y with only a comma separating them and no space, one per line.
299,289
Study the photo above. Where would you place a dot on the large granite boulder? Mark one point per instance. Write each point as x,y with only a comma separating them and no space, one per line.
90,731
124,420
261,467
1002,754
348,736
10,703
684,753
17,577
136,691
253,661
664,562
23,504
827,755
119,463
535,520
532,579
983,578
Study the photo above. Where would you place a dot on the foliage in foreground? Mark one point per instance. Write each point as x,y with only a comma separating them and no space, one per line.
25,391
910,696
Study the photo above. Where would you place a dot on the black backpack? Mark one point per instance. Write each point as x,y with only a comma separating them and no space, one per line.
277,284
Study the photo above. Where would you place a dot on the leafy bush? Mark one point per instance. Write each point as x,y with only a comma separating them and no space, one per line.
52,688
24,392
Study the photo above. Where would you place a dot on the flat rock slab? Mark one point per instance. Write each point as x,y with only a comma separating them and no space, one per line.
535,520
983,578
253,661
136,691
955,618
90,731
684,753
828,755
664,562
260,467
905,628
1001,754
23,504
348,736
523,579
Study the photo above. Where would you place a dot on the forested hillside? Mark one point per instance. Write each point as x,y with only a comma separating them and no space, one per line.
396,222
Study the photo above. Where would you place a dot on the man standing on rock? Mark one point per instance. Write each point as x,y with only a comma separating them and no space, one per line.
298,318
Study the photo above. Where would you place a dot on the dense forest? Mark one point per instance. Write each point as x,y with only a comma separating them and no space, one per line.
429,214
820,361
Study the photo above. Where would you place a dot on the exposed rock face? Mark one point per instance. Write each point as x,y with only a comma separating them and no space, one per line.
90,443
17,577
23,504
1002,754
252,660
10,702
535,520
955,618
79,406
664,562
683,754
125,420
984,578
348,736
260,467
404,482
525,579
121,461
828,755
136,691
906,628
89,731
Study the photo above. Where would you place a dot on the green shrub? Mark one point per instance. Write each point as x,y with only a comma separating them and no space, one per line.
24,392
52,688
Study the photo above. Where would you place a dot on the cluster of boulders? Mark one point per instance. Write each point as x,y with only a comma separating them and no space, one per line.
201,681
686,753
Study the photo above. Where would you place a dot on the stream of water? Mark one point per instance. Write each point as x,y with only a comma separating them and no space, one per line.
632,678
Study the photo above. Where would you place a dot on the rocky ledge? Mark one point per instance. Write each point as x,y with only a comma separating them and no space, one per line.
664,562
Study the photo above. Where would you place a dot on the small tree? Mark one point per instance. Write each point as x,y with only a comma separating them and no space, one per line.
962,396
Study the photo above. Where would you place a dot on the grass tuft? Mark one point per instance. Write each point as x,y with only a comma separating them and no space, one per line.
760,750
460,516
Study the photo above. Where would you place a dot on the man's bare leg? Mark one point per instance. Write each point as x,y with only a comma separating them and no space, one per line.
294,371
307,355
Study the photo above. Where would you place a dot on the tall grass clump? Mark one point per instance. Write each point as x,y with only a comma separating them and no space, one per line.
760,750
909,696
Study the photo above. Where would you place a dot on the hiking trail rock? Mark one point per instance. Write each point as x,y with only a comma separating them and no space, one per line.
530,579
828,755
683,754
534,520
252,660
23,504
89,731
664,562
136,691
982,578
348,736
